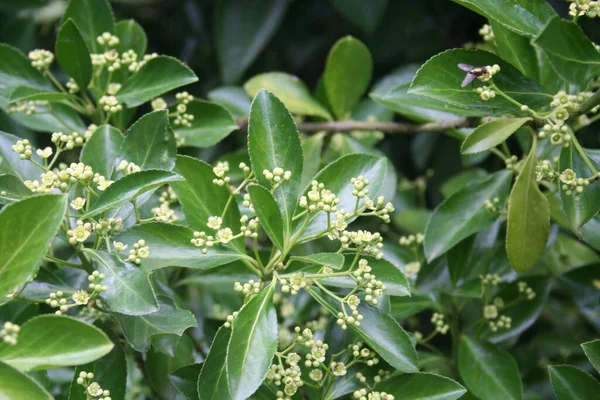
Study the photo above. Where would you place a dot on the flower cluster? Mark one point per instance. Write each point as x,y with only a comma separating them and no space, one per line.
79,297
107,39
248,289
128,168
364,355
9,333
92,389
277,176
379,208
503,322
367,281
490,71
26,107
164,213
107,227
441,326
181,117
525,290
571,184
485,92
363,395
487,33
319,199
492,205
412,240
81,232
289,376
363,241
41,59
545,170
139,251
23,147
221,170
490,279
296,282
579,8
110,104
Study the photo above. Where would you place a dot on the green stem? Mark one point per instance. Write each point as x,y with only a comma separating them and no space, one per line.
63,262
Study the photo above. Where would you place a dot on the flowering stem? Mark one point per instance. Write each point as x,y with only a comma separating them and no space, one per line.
62,262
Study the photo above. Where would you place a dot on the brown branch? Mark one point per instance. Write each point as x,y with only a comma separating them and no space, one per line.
387,127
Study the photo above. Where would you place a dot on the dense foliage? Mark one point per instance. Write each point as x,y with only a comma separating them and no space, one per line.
427,233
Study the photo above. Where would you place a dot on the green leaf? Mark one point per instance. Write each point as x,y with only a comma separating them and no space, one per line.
491,134
440,78
592,351
421,386
574,63
268,214
93,17
365,15
462,179
579,286
15,385
185,380
150,143
464,213
570,383
73,54
274,141
289,89
312,147
14,189
255,22
157,76
528,225
10,163
110,370
129,187
488,371
347,75
129,290
252,345
392,277
517,50
101,149
139,330
336,177
200,198
527,312
50,341
24,241
26,93
212,123
330,260
380,331
525,17
213,382
582,211
131,37
171,247
232,98
404,307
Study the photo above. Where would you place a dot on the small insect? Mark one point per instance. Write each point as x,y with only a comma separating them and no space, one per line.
472,73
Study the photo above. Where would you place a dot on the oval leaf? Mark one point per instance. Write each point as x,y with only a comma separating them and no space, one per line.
570,383
268,214
528,226
592,351
212,123
488,371
25,241
10,163
213,382
252,345
93,18
50,341
421,386
73,55
15,384
100,151
491,134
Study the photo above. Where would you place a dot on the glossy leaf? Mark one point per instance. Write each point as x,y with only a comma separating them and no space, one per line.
440,78
491,134
212,123
93,18
421,386
592,351
139,330
232,98
404,307
570,383
150,143
201,198
129,187
289,89
525,17
582,211
336,177
129,290
255,21
213,382
574,63
111,369
131,37
330,260
15,384
185,380
51,341
312,147
488,371
365,15
156,77
25,241
579,285
13,189
26,93
379,331
268,214
528,226
171,247
274,142
101,150
463,213
10,163
252,345
73,55
347,75
517,50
